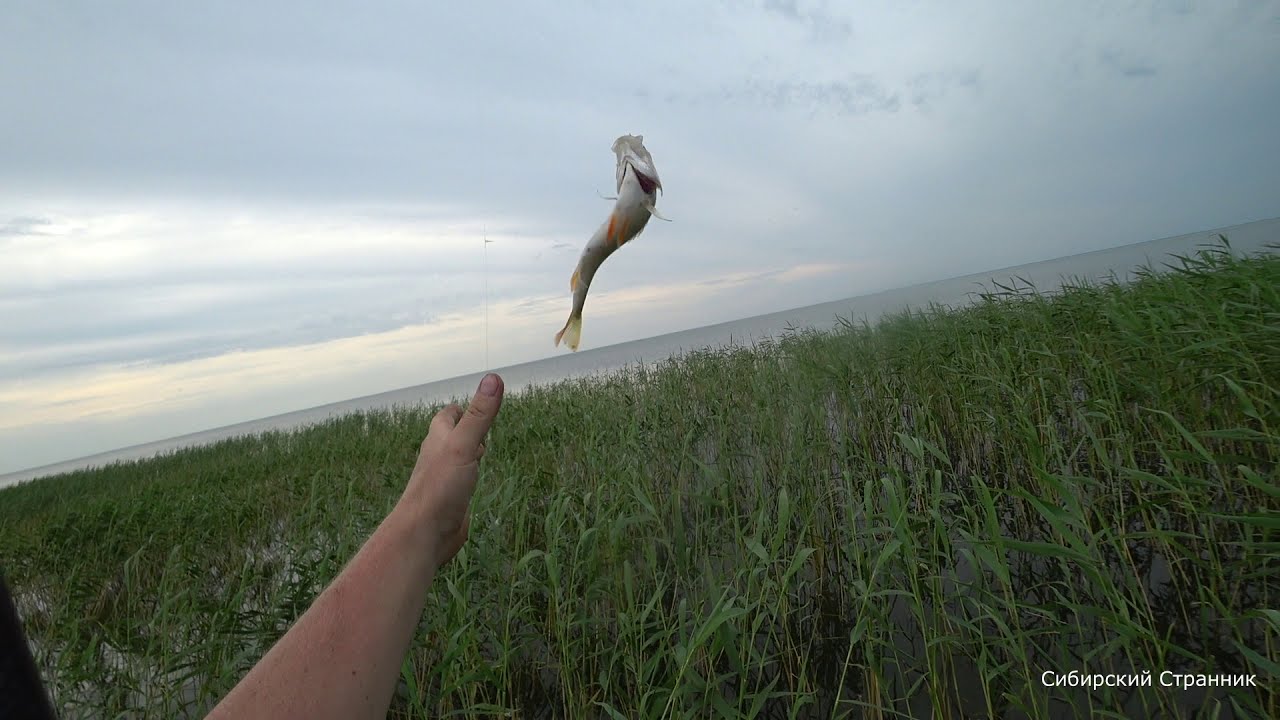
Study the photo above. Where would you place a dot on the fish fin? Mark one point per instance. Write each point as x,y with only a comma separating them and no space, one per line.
613,222
602,197
573,281
654,211
571,333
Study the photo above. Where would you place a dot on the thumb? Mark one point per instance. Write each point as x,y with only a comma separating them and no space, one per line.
475,422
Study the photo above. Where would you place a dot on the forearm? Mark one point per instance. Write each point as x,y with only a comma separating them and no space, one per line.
342,657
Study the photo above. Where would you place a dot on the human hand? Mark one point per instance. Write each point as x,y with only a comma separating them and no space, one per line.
444,478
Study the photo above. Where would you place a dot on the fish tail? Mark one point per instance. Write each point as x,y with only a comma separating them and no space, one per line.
571,333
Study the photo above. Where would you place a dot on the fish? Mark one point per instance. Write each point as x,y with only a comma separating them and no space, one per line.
638,186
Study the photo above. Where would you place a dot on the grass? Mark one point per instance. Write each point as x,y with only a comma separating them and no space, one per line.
913,520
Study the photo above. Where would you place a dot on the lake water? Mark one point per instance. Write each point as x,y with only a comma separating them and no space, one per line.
1046,276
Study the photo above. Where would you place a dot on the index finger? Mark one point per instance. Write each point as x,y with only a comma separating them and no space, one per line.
447,417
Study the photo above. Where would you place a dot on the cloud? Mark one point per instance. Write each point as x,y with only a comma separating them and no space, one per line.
220,193
23,226
854,95
849,96
192,394
1124,64
167,286
822,23
926,89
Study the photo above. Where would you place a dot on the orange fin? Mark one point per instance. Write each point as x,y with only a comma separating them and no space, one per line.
613,220
573,281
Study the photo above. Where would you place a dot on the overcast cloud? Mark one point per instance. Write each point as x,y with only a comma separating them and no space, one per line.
215,212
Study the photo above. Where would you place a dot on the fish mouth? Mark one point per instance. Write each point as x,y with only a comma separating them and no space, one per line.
647,184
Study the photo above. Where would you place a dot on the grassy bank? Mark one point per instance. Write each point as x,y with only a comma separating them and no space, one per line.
920,518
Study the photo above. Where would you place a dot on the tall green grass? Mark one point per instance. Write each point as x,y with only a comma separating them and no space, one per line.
913,520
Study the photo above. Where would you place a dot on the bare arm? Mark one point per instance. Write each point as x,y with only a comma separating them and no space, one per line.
343,656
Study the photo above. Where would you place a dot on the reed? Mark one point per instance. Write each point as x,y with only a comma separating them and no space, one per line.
920,518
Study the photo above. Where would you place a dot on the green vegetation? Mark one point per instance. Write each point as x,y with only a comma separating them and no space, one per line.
915,519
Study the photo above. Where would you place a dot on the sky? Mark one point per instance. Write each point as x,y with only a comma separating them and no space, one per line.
216,212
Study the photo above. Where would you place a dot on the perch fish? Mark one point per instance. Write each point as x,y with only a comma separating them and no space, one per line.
638,188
